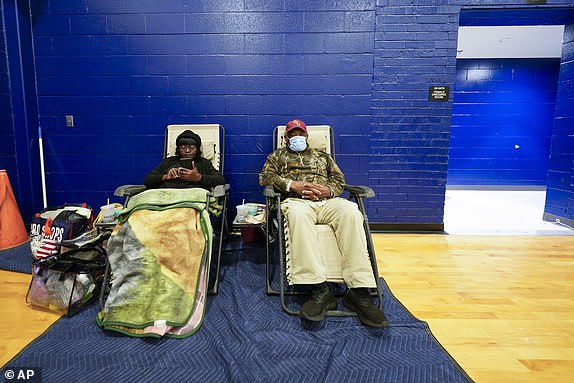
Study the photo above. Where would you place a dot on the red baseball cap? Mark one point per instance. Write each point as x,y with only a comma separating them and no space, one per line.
296,124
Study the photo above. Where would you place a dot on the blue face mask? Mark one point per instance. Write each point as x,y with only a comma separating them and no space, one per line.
297,143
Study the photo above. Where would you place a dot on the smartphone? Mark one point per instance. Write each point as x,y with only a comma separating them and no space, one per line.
185,163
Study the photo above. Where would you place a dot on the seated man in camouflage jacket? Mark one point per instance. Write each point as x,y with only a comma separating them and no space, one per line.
311,182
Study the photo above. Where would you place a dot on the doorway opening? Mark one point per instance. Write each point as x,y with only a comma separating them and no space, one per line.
508,65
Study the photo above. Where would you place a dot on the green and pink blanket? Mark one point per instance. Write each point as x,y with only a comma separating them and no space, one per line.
159,255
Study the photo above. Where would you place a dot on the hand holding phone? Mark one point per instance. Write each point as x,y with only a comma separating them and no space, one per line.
186,163
188,171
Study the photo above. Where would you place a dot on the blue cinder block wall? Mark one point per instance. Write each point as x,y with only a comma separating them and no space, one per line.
7,154
415,49
126,69
19,115
502,118
560,187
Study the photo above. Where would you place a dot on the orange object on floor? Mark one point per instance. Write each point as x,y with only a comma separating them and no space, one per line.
12,230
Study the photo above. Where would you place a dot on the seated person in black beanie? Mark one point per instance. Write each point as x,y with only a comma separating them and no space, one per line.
186,169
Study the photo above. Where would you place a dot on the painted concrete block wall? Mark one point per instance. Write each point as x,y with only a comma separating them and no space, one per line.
560,187
23,122
502,117
7,147
415,48
126,69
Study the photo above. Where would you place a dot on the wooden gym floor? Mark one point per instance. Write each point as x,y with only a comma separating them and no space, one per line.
500,305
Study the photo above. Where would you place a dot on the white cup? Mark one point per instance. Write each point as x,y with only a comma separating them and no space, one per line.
108,213
242,211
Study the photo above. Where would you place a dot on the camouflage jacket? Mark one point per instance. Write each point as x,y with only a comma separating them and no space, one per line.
311,165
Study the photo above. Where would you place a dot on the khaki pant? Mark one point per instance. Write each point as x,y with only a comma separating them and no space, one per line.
305,265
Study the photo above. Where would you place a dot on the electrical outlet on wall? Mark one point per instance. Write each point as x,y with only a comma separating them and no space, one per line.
70,121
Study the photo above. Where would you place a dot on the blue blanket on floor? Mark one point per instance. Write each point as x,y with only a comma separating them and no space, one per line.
18,259
246,338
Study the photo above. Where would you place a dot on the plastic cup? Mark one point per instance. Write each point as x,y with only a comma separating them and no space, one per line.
108,213
242,211
252,209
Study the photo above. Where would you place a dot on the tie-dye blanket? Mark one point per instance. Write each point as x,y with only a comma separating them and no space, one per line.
159,255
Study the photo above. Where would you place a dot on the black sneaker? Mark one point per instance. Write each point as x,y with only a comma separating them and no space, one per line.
321,301
359,300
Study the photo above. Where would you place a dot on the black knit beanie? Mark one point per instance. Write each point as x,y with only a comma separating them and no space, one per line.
187,137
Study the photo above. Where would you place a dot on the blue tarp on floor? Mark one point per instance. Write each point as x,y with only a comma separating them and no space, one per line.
246,337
